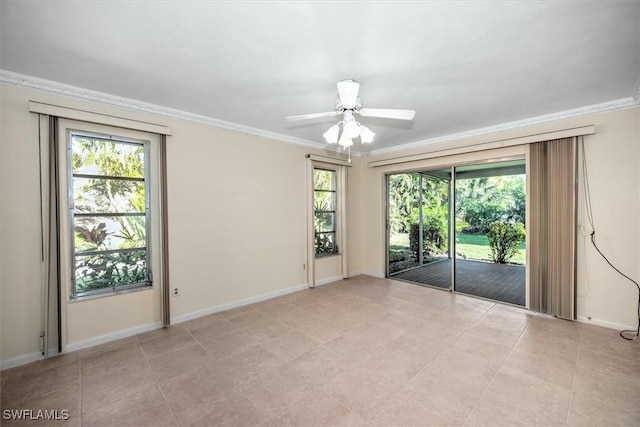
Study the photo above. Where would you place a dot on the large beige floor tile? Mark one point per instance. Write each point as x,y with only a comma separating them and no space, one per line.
290,345
228,345
406,409
317,409
472,369
250,363
591,411
435,389
210,327
276,389
500,410
195,386
113,360
65,399
267,330
160,346
391,365
322,363
361,391
362,351
424,351
323,330
100,390
548,368
548,344
23,388
146,408
178,362
227,409
539,396
620,388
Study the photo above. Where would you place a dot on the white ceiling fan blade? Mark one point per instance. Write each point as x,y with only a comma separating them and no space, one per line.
348,93
312,116
387,113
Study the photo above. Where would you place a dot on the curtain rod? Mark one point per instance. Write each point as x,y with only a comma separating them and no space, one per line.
325,159
522,140
91,117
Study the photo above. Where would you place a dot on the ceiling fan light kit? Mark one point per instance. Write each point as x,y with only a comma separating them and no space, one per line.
348,104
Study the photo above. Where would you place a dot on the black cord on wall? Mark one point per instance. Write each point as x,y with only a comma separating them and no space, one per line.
587,198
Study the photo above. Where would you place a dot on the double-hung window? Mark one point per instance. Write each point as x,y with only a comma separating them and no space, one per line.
325,200
109,213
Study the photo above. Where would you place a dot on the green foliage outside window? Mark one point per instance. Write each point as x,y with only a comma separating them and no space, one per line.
434,228
325,211
504,239
109,220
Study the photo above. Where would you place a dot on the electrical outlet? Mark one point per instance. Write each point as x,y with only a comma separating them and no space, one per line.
176,292
304,266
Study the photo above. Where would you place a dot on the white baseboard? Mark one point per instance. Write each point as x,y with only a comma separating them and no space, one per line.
374,274
354,274
328,280
223,307
23,360
102,339
606,324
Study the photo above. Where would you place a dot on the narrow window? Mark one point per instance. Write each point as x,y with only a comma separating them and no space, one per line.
109,213
325,211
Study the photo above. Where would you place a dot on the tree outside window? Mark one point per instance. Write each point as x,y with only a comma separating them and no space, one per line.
325,211
110,217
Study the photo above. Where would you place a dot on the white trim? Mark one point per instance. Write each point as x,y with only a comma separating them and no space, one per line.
26,359
331,160
11,78
374,274
20,80
113,336
605,324
91,117
328,280
353,274
440,151
620,104
102,339
235,304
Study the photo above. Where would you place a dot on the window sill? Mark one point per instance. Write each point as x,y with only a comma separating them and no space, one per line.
109,294
323,256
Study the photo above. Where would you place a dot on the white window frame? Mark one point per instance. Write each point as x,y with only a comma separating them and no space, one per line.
73,214
153,237
337,244
340,167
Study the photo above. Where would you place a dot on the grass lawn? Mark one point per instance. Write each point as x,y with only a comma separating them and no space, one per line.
476,246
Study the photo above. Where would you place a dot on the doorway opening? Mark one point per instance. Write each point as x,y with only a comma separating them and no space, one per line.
460,228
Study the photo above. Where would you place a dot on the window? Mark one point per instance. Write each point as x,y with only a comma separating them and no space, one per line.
325,211
109,213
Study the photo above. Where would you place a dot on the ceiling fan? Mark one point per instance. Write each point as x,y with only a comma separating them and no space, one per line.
348,104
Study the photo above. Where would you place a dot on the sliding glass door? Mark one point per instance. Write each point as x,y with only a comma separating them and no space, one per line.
490,214
419,239
471,243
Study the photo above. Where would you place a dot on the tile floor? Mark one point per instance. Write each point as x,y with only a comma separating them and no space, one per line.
363,351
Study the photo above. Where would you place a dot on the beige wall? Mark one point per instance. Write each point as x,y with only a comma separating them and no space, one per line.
237,215
613,156
237,224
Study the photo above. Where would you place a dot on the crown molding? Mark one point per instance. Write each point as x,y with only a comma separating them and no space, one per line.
620,104
11,78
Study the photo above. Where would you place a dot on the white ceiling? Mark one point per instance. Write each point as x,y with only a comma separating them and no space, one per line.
461,65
